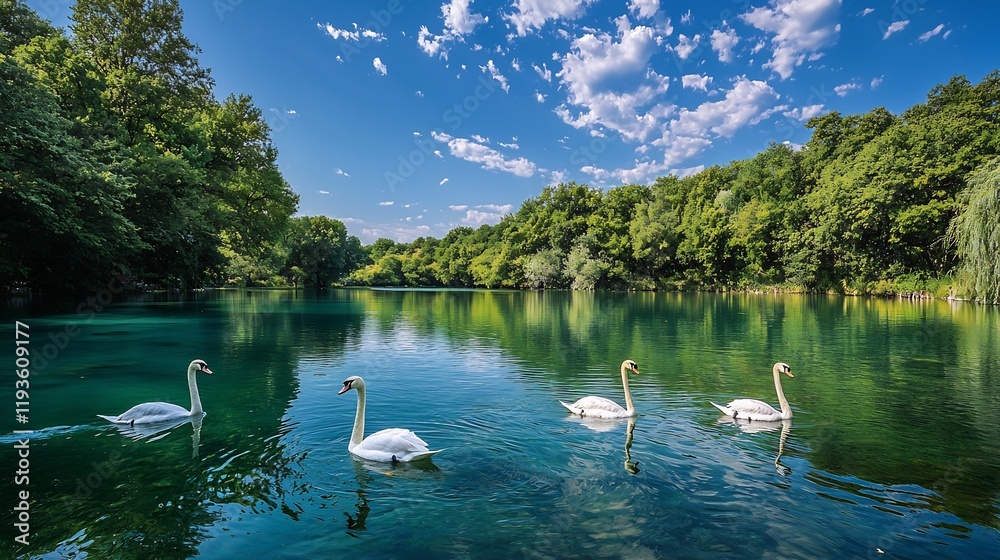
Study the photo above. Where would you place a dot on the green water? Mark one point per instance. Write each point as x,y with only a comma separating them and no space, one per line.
892,452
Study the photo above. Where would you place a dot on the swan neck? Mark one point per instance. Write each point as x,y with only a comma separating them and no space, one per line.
359,419
193,388
786,409
629,407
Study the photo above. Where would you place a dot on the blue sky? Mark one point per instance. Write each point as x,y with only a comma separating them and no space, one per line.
405,119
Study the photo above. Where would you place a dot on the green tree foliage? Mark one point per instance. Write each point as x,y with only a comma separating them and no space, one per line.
863,206
318,250
976,232
116,154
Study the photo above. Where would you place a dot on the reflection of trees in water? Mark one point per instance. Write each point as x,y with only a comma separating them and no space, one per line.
915,374
157,496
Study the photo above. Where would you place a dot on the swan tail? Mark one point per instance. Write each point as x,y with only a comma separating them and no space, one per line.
725,410
571,408
423,456
113,419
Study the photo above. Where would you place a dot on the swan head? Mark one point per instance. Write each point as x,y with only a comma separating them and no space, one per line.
352,382
782,367
199,365
629,365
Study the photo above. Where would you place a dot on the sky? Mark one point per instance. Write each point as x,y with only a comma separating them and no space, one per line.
405,119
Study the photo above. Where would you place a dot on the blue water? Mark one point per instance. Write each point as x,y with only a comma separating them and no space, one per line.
890,454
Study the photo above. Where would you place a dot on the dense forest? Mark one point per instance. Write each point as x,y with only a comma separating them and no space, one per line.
871,204
117,156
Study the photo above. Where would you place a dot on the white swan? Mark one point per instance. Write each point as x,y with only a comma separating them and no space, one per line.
155,412
389,445
600,407
752,409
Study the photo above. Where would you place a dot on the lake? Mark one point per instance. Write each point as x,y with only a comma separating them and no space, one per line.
892,451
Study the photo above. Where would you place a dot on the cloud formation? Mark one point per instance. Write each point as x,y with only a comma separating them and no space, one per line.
801,29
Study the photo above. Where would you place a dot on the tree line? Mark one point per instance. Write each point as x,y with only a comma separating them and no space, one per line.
116,155
872,204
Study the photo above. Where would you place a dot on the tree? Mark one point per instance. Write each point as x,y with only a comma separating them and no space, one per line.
318,250
62,220
976,232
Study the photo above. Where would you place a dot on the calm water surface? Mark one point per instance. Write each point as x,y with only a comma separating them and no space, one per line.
892,452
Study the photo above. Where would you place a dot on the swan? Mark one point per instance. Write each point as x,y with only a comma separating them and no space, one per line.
390,445
600,407
155,412
752,409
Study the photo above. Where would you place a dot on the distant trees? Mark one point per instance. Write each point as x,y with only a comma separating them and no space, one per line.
863,207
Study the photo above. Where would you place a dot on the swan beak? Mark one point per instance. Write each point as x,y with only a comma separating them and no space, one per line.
206,370
789,373
345,388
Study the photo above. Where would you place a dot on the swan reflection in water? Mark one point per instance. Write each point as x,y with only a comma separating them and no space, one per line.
610,424
748,427
159,430
631,466
366,472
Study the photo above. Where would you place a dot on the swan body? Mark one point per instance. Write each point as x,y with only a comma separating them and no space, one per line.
391,445
600,407
760,411
160,412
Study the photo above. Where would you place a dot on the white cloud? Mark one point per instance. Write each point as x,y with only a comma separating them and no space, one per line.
458,17
323,192
532,14
432,44
867,11
340,171
459,207
696,81
458,22
800,27
377,63
487,157
686,45
612,83
723,43
844,89
354,35
476,218
438,154
492,69
686,18
692,132
480,139
894,27
338,59
743,105
510,145
386,203
544,72
539,97
443,181
419,93
876,82
931,33
499,208
644,8
805,113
